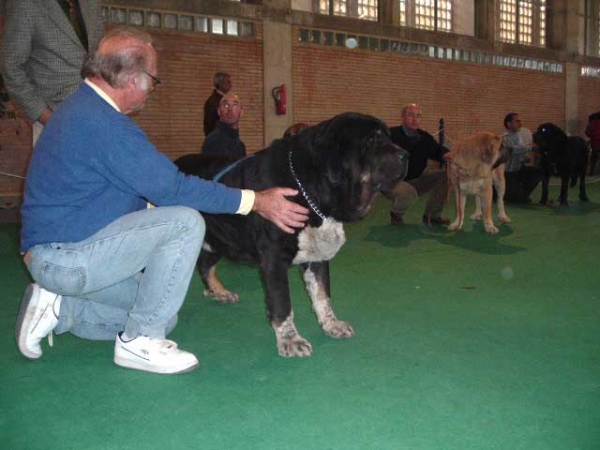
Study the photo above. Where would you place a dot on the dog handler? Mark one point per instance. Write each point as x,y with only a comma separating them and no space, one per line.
419,180
106,267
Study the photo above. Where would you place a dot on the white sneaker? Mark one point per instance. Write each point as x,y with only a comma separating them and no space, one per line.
153,355
37,318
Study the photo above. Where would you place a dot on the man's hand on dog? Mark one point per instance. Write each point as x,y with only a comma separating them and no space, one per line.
273,205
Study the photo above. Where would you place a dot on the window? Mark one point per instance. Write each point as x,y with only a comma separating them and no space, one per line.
361,9
592,28
522,22
426,14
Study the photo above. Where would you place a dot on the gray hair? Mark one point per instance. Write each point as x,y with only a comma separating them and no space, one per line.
121,53
219,78
407,107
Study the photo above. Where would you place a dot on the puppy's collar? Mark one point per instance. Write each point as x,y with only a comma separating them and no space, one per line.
303,191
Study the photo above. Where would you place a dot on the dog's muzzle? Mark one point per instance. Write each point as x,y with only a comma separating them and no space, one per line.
395,169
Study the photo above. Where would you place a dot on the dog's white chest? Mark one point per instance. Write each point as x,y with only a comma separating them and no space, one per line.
321,243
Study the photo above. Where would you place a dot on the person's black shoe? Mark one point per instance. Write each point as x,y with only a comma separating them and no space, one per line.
434,220
396,218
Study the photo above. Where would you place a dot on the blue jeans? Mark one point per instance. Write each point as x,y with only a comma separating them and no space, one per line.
132,276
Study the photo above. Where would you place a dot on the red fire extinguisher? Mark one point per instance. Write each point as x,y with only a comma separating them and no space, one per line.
280,96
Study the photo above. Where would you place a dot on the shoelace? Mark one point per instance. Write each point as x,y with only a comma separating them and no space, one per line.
168,346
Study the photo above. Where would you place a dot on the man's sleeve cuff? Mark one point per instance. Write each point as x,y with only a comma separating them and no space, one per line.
246,203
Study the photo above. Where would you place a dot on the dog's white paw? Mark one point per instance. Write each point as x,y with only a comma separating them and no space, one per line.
289,341
476,216
503,218
491,229
454,226
295,346
223,296
338,329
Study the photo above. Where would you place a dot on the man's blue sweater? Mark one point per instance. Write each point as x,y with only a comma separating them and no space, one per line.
93,164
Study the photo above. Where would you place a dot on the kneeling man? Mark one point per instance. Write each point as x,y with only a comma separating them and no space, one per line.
104,266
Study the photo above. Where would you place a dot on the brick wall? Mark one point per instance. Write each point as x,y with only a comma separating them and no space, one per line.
326,81
471,98
15,151
187,62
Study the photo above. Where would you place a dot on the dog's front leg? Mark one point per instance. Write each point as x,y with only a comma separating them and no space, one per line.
316,278
279,309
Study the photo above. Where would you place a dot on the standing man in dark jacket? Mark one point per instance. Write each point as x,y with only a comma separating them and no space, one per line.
222,83
592,131
44,46
421,147
225,140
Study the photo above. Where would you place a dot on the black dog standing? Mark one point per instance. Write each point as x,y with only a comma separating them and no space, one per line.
338,166
566,155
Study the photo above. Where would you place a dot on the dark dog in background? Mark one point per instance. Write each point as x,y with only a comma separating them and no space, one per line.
567,156
338,166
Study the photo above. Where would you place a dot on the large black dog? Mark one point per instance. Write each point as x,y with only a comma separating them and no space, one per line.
338,166
565,155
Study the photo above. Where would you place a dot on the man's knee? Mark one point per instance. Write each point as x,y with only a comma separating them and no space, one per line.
189,218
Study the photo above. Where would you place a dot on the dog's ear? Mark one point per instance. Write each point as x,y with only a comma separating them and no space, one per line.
325,141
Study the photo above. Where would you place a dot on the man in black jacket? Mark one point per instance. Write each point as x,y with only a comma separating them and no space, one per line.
225,140
222,83
421,147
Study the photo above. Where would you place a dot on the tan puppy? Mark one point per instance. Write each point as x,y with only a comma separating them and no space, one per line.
471,172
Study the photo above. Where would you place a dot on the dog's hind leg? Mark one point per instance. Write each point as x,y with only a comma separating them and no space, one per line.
546,171
279,310
573,182
208,272
500,185
460,201
316,278
564,190
486,200
582,194
477,213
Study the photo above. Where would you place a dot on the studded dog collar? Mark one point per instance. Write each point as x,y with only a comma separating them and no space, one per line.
312,204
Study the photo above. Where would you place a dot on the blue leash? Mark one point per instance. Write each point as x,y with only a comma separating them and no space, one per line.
220,175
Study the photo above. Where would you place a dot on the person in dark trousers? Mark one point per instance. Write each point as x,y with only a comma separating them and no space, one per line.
420,179
521,179
222,83
225,140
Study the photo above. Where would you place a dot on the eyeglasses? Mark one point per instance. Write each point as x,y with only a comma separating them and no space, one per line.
414,115
233,105
155,80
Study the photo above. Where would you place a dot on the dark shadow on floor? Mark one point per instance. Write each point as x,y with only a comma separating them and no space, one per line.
475,239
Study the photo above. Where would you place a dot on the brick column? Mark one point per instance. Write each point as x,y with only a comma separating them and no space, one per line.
277,70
